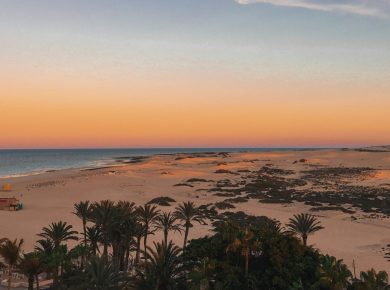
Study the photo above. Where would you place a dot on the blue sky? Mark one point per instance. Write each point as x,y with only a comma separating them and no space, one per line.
223,33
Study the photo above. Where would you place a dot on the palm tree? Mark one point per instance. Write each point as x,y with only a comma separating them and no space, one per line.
99,275
76,255
103,215
45,246
188,213
56,234
51,257
126,207
167,222
10,251
138,233
83,210
93,238
163,268
372,280
202,275
122,234
334,274
245,241
227,230
147,215
304,225
31,265
59,232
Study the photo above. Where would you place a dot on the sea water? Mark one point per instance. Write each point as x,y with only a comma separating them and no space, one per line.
33,161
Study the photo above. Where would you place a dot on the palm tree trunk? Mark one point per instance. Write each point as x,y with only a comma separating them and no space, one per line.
126,261
186,237
62,272
55,278
121,257
37,281
137,250
30,282
105,248
94,250
304,239
246,261
114,253
145,244
166,237
84,261
9,276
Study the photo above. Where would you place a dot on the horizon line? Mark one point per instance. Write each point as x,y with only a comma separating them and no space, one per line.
196,147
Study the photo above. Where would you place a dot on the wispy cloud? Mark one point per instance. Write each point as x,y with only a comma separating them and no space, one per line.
377,8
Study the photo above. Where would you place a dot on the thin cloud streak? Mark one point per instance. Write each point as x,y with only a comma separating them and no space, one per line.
376,8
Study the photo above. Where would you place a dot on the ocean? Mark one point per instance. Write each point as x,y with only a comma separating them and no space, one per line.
22,162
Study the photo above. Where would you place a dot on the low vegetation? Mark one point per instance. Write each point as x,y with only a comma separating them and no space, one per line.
162,200
242,252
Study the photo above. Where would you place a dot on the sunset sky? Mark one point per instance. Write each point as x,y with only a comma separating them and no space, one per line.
194,73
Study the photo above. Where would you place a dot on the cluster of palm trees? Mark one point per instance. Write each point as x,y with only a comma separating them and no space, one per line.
113,251
336,275
10,253
333,273
112,236
247,242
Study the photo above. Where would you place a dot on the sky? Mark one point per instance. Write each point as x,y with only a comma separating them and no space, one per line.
194,73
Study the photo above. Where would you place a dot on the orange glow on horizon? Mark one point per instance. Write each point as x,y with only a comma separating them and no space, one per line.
197,113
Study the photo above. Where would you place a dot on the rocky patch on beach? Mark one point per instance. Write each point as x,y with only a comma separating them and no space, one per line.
131,159
201,155
324,189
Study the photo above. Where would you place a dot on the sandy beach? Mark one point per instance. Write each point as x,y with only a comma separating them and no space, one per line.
352,192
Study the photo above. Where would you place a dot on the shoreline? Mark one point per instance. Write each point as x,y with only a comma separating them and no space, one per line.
110,161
